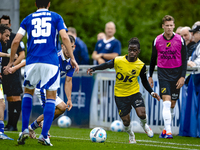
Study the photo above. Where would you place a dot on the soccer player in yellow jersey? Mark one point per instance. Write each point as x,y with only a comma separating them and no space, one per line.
127,94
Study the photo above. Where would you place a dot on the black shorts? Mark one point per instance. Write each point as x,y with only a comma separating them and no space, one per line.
12,85
124,103
169,88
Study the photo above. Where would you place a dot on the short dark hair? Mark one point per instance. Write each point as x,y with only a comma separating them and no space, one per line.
168,18
134,41
3,28
72,39
5,17
42,3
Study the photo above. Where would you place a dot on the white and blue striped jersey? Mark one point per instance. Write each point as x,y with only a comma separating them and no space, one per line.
42,28
65,66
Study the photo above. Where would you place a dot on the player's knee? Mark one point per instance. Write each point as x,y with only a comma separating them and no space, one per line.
126,120
63,108
126,123
142,114
173,104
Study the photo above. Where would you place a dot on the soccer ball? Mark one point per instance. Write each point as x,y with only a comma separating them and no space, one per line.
117,126
135,125
98,135
64,122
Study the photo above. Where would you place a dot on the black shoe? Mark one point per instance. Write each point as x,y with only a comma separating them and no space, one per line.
11,128
15,129
6,128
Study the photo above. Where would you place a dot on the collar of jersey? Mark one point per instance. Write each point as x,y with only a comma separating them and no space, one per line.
63,57
42,9
106,41
170,38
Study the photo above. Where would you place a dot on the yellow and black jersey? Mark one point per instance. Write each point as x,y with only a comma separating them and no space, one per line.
127,75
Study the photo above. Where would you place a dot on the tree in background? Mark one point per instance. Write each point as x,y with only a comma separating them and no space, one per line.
133,18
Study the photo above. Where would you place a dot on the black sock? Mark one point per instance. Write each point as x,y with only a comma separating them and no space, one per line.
16,113
10,113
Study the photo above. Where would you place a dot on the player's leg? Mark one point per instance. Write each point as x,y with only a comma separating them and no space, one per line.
41,95
138,104
26,112
141,113
60,109
50,80
32,77
14,106
174,97
128,128
165,93
2,108
124,109
10,114
35,125
167,115
173,103
48,113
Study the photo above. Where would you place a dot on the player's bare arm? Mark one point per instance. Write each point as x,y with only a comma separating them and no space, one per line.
150,80
20,58
68,92
7,55
14,47
180,83
15,68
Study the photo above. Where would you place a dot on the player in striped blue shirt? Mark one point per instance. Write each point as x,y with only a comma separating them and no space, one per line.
42,64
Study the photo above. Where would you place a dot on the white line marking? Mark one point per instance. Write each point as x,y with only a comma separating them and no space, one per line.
145,141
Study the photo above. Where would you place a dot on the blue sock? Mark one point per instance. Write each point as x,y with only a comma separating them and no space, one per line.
35,125
49,110
26,110
1,126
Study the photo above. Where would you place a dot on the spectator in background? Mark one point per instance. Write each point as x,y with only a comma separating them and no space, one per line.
178,30
194,60
191,45
81,52
12,85
197,23
101,36
108,48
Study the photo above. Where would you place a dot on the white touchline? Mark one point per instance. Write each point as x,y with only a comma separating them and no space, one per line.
145,141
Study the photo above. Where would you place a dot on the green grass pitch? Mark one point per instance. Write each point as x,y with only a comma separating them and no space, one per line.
78,139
